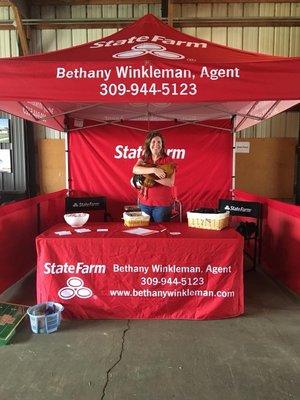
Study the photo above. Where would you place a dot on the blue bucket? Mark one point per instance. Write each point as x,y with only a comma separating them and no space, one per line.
45,317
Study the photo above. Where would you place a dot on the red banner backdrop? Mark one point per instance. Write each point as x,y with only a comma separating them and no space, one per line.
280,240
102,158
20,223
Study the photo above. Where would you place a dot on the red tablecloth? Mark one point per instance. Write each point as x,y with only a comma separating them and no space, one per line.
197,274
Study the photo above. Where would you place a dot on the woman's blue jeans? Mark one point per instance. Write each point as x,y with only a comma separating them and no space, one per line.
157,213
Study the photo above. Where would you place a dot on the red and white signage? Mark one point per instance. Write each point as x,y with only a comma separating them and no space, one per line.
148,63
114,274
101,161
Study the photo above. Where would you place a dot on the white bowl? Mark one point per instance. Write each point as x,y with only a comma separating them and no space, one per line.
76,220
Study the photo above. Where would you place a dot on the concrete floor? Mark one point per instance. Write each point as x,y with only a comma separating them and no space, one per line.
253,357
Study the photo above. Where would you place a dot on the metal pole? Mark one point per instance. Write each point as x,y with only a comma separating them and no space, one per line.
67,167
297,185
233,158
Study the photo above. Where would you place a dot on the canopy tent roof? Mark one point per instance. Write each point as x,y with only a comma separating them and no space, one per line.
148,71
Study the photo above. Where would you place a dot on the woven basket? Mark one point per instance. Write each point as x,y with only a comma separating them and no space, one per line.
138,218
208,221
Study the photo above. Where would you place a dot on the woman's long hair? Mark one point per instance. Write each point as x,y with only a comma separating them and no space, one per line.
150,136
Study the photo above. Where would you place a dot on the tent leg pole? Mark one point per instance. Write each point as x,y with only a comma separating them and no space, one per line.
233,161
67,183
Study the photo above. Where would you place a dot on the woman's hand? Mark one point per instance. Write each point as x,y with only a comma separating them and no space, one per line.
160,173
167,181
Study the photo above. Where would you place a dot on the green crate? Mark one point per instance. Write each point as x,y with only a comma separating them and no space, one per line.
10,317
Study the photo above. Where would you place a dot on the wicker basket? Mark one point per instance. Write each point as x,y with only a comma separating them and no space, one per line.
138,218
208,221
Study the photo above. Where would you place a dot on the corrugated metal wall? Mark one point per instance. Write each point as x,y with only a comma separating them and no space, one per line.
16,181
8,39
283,41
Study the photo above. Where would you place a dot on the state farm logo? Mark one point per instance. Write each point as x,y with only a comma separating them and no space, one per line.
75,287
237,209
149,48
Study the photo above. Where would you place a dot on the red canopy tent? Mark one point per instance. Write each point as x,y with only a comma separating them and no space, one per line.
148,71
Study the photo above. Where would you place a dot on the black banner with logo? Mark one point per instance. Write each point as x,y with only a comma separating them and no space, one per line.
83,204
242,208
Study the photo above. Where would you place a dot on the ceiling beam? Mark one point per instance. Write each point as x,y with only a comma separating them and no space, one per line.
234,1
101,2
88,2
167,11
236,22
170,12
23,43
177,23
22,6
6,27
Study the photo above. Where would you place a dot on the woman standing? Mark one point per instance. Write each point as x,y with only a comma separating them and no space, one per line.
157,200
